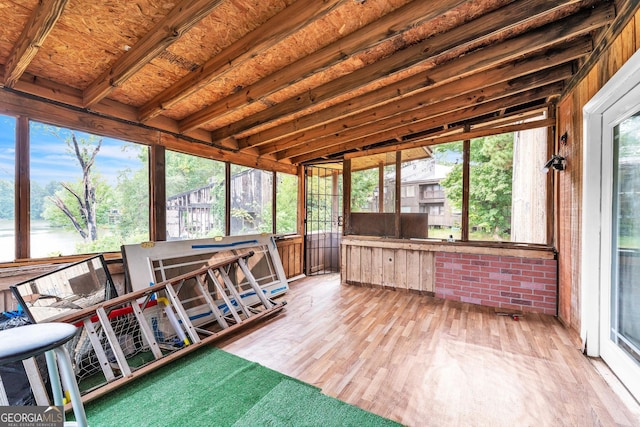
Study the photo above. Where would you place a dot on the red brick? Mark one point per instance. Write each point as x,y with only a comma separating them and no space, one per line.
533,273
501,264
532,261
511,283
510,294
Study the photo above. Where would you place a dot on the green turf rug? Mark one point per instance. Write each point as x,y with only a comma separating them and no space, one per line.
211,387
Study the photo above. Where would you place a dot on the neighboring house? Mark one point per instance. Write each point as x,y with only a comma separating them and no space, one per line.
189,214
421,192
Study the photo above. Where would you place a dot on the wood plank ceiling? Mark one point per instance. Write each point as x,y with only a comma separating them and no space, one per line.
301,81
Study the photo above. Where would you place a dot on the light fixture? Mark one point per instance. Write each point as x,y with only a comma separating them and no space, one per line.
556,162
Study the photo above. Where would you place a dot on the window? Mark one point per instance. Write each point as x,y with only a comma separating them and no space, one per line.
7,188
88,193
286,203
490,187
444,182
365,192
251,201
507,191
195,189
373,183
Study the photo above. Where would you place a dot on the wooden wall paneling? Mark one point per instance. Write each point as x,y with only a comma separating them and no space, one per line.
414,272
299,250
388,267
290,250
428,271
376,266
569,183
344,254
563,224
354,264
365,264
401,268
575,148
282,252
291,259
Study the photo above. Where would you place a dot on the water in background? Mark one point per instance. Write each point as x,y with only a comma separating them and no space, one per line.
45,240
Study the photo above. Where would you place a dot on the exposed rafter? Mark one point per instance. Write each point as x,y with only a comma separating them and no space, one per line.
277,83
180,20
256,42
40,24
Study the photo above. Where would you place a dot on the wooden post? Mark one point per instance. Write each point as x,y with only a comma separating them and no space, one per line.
157,193
227,199
398,201
551,193
346,196
381,187
302,202
274,208
22,190
466,153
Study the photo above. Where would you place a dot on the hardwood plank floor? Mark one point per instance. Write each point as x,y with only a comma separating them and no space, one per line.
423,361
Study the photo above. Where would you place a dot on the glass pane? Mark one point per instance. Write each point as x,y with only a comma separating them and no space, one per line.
625,321
195,196
437,183
7,188
365,191
529,187
390,187
490,187
251,201
286,203
88,193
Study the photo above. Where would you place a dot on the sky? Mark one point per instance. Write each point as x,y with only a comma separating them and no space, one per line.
51,159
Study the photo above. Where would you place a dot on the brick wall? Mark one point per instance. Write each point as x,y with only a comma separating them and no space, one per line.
510,283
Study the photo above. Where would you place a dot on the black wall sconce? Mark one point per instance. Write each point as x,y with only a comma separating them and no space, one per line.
556,162
563,138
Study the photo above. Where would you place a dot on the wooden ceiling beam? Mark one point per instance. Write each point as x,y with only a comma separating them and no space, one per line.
384,29
289,21
184,16
551,58
41,22
423,119
301,129
468,113
172,142
421,142
57,93
579,23
500,20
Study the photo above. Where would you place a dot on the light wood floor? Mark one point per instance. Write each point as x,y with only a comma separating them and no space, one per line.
425,362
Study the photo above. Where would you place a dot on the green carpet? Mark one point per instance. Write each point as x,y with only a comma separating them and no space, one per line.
211,387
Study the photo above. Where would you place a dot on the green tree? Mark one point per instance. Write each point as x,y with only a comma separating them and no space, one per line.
132,203
490,182
286,203
66,194
363,183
